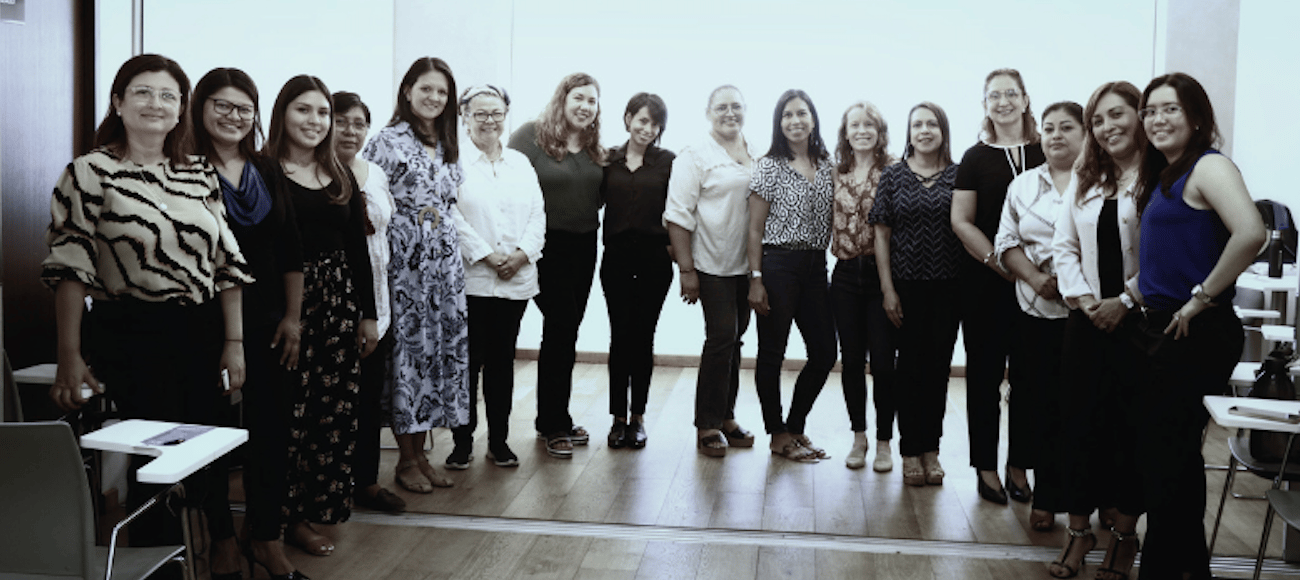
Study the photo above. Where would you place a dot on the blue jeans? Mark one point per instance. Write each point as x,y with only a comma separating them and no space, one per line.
863,327
796,292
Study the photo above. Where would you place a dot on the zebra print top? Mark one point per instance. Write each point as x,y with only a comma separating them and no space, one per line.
155,233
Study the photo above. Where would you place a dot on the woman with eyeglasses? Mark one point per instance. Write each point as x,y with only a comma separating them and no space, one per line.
1095,256
227,130
789,230
707,217
1200,230
419,152
339,323
1008,146
860,320
916,256
564,147
636,269
502,224
139,226
351,122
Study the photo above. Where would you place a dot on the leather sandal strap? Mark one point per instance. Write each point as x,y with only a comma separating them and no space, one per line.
1085,532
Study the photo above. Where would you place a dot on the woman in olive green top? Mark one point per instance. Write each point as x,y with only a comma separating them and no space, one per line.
563,145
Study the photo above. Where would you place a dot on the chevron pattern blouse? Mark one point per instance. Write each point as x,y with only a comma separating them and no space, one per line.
922,245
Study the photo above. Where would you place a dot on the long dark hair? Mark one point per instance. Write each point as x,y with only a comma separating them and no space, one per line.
780,145
215,80
945,150
277,143
844,151
112,133
553,128
1096,166
1156,171
444,126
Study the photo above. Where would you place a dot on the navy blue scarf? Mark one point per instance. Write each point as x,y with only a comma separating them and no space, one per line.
247,205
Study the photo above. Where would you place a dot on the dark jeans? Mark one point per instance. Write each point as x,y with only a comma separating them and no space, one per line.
635,274
725,302
374,369
162,362
266,416
493,332
925,343
564,273
988,312
862,326
1099,419
1173,382
796,293
1036,399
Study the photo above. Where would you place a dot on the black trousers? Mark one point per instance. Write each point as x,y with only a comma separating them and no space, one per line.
374,369
266,416
1036,399
988,312
1173,382
862,327
493,333
161,362
925,343
1099,417
725,303
564,273
635,274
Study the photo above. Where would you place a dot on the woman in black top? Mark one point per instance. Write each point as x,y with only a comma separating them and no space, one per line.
637,267
227,129
339,324
1008,146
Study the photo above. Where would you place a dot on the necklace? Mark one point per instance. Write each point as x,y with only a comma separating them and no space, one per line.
926,180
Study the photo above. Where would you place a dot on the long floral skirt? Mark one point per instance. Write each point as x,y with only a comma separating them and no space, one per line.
323,400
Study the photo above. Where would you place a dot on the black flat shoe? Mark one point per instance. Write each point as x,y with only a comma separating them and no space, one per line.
1021,494
617,437
997,496
634,435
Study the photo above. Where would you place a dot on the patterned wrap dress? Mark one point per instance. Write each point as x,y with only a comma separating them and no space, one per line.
428,383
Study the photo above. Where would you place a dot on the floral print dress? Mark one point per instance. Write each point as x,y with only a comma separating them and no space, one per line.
428,383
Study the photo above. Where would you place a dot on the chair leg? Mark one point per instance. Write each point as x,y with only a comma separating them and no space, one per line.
1223,498
1263,541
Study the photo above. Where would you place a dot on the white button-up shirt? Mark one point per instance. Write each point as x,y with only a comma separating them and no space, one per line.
500,210
1075,246
1029,218
708,195
379,207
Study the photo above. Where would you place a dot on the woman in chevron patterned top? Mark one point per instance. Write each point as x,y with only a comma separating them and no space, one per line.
916,256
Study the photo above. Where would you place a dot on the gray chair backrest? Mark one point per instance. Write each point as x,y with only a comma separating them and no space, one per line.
48,521
11,407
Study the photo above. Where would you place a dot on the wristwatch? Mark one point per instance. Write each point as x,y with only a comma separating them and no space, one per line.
1199,293
754,274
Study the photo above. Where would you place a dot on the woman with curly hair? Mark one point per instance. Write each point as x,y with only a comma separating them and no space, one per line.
564,147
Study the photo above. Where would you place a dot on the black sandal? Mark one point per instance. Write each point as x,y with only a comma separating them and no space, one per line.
1072,571
1108,571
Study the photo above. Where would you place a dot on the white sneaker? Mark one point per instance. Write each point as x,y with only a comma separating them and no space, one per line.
857,458
884,462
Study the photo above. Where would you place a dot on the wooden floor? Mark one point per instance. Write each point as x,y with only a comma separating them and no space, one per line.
666,512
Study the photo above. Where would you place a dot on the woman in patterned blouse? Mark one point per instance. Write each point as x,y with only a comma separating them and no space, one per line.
860,320
139,226
789,229
916,256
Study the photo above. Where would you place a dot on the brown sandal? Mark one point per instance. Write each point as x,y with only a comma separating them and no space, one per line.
796,452
416,482
712,445
808,444
309,540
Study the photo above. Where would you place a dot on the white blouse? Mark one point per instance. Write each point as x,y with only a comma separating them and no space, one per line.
379,207
1029,218
1075,246
708,195
500,209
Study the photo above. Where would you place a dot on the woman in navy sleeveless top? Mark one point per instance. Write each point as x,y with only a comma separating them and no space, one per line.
1199,232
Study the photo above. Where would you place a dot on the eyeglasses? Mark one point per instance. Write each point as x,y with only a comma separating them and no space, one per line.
733,108
360,126
483,116
144,94
1169,111
224,107
1010,94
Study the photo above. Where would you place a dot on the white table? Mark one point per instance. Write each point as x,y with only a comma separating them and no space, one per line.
174,462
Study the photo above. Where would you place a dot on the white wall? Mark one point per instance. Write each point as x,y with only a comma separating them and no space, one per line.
1267,85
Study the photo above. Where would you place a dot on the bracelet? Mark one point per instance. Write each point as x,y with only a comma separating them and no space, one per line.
987,257
690,271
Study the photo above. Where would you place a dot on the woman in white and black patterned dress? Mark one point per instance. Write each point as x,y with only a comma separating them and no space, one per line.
789,230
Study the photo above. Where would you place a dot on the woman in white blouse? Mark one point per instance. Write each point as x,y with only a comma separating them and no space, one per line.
1095,251
502,226
706,216
1024,247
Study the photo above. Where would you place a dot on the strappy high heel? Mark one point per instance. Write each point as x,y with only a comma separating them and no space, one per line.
1072,571
252,560
1108,571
